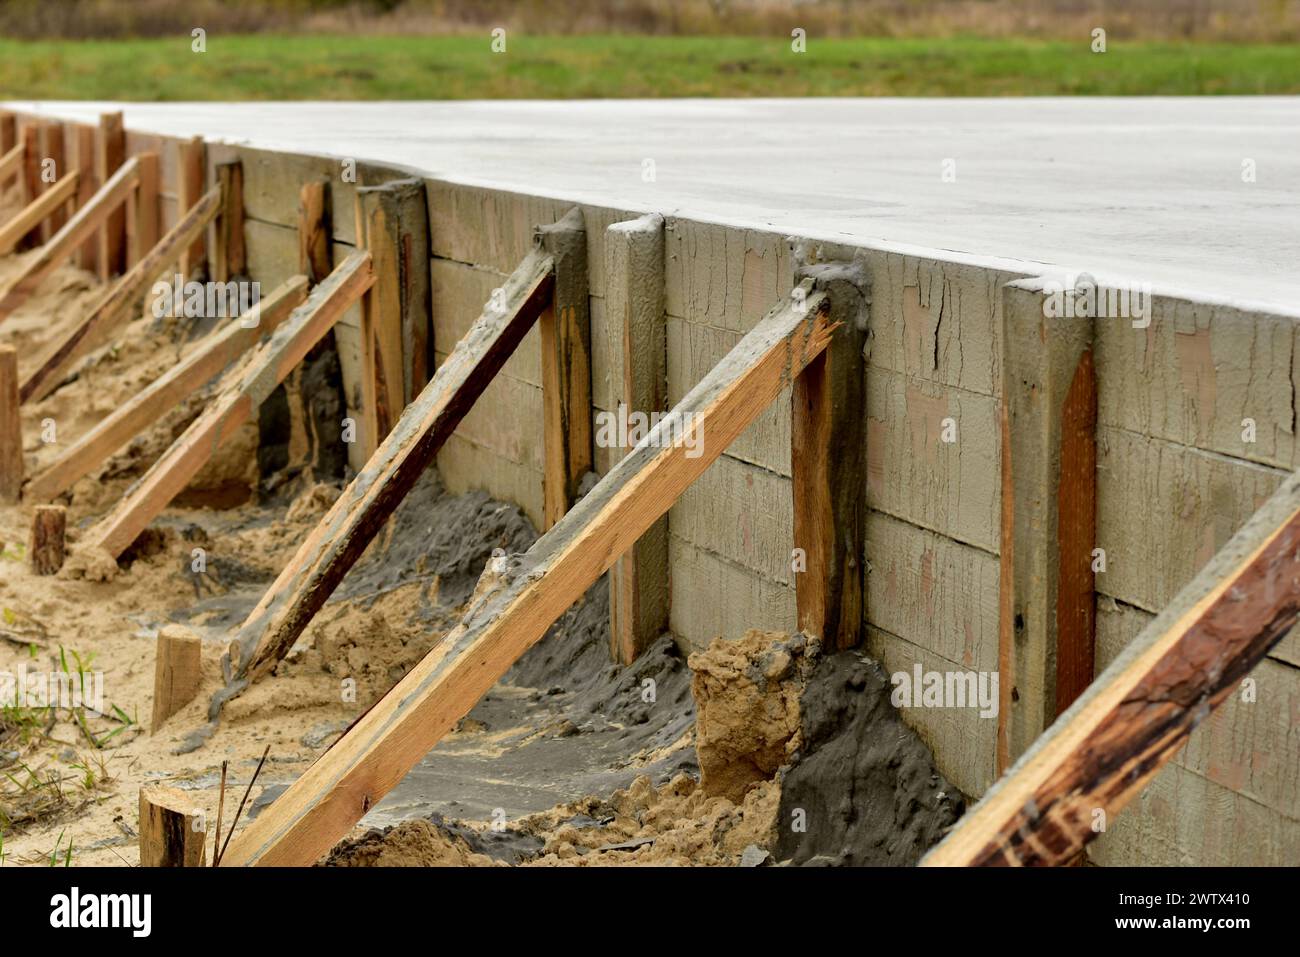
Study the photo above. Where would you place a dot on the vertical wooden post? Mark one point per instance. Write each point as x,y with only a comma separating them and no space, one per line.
8,131
177,672
144,216
30,177
192,167
110,153
828,457
1049,481
566,367
87,185
393,224
634,304
11,428
229,259
53,150
45,546
172,832
314,259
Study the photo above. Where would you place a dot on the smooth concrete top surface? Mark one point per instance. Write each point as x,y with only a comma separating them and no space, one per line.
1145,190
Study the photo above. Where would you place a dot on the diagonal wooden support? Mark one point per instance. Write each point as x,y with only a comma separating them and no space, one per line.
33,215
1137,715
338,541
566,367
163,394
828,455
118,300
74,232
10,164
378,751
237,401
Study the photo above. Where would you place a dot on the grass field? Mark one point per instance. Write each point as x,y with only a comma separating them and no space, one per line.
463,67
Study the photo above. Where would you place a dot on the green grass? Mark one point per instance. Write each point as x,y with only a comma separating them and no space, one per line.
460,67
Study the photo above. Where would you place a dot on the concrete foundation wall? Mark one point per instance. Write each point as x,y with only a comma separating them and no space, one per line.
1174,478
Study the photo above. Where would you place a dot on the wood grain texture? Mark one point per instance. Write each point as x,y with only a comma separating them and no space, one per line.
241,395
171,834
192,174
53,149
314,259
45,544
1076,532
178,672
83,145
11,427
1138,713
110,155
39,211
78,228
11,163
230,258
343,534
30,180
634,286
164,393
566,366
118,301
528,596
828,464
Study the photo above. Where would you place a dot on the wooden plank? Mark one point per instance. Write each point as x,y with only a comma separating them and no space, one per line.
45,543
566,366
531,593
164,393
53,151
144,216
11,164
110,155
314,260
235,404
178,664
8,133
33,215
230,257
11,427
31,180
634,289
828,464
192,169
1049,392
392,223
82,225
1138,713
343,534
171,828
87,186
117,302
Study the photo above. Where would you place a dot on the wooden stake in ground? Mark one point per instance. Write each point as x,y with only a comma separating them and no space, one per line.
165,393
171,828
343,534
83,138
1049,482
192,173
177,672
634,304
31,180
77,229
115,306
566,367
45,548
378,751
53,152
828,443
11,427
8,132
314,259
144,216
1138,713
236,403
110,156
230,258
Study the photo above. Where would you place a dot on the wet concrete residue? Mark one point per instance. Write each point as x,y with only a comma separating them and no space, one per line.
865,781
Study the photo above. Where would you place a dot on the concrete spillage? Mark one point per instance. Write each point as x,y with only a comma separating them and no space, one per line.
998,470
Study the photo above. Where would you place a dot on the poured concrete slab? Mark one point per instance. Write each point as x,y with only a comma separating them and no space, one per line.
1146,190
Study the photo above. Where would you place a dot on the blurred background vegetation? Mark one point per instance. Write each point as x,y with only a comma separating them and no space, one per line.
439,49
